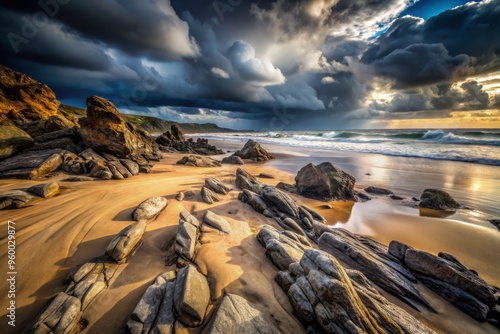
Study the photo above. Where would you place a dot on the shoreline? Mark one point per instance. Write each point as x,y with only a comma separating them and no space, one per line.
85,217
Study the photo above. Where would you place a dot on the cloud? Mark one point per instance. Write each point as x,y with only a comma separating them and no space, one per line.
327,80
219,73
261,72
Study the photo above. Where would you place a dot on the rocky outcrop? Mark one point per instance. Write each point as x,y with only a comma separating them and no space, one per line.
126,242
216,186
374,261
216,222
438,200
44,190
328,298
105,129
325,182
235,315
208,195
31,165
13,140
15,199
149,209
173,141
199,161
253,151
187,236
233,160
245,180
378,191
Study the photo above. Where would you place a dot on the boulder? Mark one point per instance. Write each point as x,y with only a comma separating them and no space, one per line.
378,191
438,200
13,140
235,315
252,150
187,236
233,160
281,200
44,190
191,296
208,195
256,202
245,180
216,222
15,199
216,186
325,182
61,316
198,161
31,165
105,129
123,245
149,209
131,166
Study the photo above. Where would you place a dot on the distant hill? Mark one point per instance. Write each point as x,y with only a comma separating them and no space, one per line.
152,124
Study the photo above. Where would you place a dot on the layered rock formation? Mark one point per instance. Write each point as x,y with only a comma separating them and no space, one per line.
173,141
253,151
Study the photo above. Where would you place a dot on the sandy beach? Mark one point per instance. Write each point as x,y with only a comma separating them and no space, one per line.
60,233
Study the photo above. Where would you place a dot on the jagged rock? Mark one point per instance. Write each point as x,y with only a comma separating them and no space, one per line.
31,165
374,262
60,143
126,242
90,154
199,161
281,200
43,126
79,179
235,315
290,225
44,190
282,248
149,209
154,312
325,182
13,140
187,236
453,281
245,180
255,201
70,133
438,200
216,186
191,296
15,199
180,196
287,187
252,150
378,191
208,195
131,166
216,222
173,141
91,279
398,250
119,171
61,316
233,160
105,129
335,300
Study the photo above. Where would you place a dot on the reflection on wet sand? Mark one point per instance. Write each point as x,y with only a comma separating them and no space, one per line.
424,212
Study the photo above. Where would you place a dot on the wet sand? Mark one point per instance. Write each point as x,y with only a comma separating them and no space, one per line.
56,235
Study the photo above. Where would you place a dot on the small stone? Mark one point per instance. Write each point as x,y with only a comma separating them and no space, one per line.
44,190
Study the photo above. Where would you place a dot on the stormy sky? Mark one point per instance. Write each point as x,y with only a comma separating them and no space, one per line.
267,65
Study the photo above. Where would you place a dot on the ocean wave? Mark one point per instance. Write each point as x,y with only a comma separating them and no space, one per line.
440,136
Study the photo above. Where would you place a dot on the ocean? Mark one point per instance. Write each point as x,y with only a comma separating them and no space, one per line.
474,146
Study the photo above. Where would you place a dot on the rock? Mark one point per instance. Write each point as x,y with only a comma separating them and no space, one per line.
90,154
256,202
191,296
396,197
15,199
252,150
149,209
61,143
173,141
398,250
189,195
61,316
154,312
438,200
216,186
453,281
44,190
79,179
361,196
495,222
131,166
325,182
126,242
216,222
119,171
70,133
31,165
233,160
266,176
105,129
180,196
13,140
235,315
208,195
287,187
91,279
281,200
187,236
199,161
372,260
290,225
245,180
144,169
378,191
